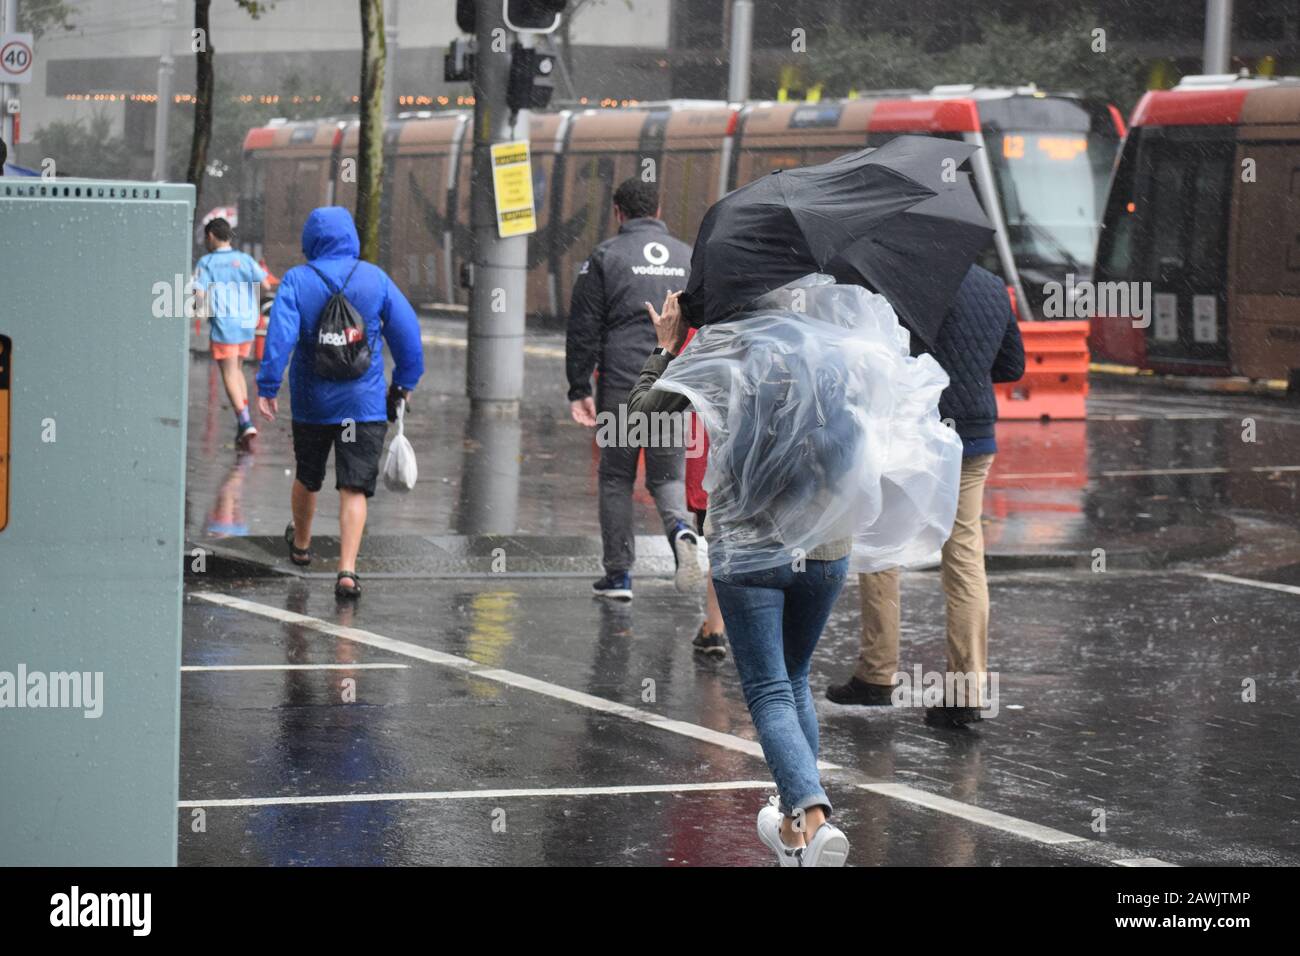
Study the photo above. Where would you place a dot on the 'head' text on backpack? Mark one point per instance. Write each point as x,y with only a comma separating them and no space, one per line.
342,350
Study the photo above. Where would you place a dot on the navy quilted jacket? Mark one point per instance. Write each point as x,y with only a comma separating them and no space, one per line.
979,344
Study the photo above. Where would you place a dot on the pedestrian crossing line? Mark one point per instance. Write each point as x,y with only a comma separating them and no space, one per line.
897,791
966,811
1142,861
1250,582
1167,417
203,668
477,794
1149,472
522,681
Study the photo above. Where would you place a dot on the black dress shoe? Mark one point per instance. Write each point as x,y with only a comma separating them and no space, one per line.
952,718
859,692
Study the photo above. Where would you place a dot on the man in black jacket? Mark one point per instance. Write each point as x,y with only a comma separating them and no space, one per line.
979,344
610,329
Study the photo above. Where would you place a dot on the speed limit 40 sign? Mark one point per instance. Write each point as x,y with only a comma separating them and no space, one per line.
16,57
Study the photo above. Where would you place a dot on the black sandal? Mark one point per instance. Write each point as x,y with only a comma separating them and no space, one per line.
299,556
341,591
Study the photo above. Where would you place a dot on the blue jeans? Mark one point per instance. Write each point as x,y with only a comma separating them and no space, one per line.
774,619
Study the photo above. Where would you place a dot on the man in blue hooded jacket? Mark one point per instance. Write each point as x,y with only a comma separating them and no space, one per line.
349,416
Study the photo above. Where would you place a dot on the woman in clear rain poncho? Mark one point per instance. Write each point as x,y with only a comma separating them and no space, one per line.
825,443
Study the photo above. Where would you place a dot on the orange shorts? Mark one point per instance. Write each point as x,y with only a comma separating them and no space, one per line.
225,350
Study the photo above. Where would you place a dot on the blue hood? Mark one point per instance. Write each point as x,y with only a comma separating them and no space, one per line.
330,234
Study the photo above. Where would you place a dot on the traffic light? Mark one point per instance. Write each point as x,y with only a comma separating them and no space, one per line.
465,18
532,16
532,76
535,16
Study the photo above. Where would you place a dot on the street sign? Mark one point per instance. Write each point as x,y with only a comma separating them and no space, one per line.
16,57
6,351
512,182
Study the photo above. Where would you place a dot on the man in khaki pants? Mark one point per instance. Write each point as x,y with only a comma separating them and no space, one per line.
979,344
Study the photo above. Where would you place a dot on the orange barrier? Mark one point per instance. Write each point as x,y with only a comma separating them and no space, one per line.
259,341
1055,384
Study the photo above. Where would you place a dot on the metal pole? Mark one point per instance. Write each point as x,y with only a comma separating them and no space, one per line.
166,66
495,362
490,471
1218,36
742,40
9,91
390,61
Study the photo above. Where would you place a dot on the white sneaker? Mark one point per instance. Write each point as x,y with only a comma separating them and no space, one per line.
769,831
690,570
828,847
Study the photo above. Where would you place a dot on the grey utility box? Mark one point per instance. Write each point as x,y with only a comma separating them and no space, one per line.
93,347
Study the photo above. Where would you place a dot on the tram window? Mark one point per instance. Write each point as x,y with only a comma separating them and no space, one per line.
1168,189
1048,183
1115,246
1188,207
1209,208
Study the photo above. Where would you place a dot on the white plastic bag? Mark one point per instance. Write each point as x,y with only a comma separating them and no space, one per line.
399,467
821,428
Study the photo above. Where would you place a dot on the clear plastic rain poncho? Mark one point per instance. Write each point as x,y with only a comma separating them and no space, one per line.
821,428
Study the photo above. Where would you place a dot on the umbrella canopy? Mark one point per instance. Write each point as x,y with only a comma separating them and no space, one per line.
901,219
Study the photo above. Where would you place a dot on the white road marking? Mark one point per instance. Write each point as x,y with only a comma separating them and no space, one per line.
1146,472
194,668
1250,582
988,818
430,656
898,791
1142,861
1167,417
478,794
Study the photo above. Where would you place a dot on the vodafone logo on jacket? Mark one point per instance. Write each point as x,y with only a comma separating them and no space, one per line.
656,253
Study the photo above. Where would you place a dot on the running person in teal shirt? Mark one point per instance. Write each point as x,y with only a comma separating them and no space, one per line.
229,283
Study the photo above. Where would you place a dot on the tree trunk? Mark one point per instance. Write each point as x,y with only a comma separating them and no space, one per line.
204,79
370,162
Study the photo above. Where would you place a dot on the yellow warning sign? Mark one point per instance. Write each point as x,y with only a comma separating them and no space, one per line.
6,354
512,182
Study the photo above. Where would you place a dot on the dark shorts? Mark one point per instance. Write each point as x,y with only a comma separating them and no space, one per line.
356,462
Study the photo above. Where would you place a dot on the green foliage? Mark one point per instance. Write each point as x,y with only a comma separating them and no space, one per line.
1059,58
85,148
842,62
39,17
232,119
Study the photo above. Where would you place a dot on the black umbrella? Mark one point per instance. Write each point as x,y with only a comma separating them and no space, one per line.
902,219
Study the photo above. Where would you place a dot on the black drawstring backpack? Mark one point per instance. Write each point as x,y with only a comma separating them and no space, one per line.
342,350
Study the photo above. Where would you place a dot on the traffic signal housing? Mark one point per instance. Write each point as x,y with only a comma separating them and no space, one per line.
536,16
532,76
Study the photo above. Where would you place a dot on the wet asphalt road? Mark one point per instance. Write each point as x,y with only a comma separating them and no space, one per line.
485,721
1144,459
